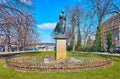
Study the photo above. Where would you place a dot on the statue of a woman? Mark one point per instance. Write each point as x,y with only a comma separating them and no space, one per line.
60,28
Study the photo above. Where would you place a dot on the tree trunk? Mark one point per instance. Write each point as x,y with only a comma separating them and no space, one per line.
7,42
73,38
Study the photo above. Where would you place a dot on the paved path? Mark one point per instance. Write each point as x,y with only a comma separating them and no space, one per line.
3,53
105,53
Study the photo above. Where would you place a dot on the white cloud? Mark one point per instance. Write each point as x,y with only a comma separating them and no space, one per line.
26,1
49,26
48,39
3,1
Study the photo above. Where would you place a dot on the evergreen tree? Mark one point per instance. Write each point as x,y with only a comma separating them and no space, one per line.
98,39
78,39
70,48
109,40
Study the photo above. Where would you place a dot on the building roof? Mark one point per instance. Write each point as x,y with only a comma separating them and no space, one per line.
112,23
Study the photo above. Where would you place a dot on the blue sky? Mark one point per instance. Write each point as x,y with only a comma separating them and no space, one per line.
46,14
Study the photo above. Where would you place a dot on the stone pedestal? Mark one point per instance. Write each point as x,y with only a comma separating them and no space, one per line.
60,48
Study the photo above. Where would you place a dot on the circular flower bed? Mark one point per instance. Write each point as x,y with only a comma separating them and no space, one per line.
49,64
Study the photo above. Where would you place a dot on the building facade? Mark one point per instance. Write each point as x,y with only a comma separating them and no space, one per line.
112,24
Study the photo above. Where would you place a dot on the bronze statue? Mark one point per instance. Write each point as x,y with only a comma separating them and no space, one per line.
60,28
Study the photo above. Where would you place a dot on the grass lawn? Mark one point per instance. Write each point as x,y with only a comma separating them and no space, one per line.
112,72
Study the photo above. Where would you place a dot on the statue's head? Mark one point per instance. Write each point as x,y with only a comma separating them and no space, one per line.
62,12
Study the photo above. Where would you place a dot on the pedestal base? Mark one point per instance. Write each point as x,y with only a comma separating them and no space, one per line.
61,48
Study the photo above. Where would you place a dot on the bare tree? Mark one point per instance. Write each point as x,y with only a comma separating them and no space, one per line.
72,22
88,26
116,4
73,15
16,24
